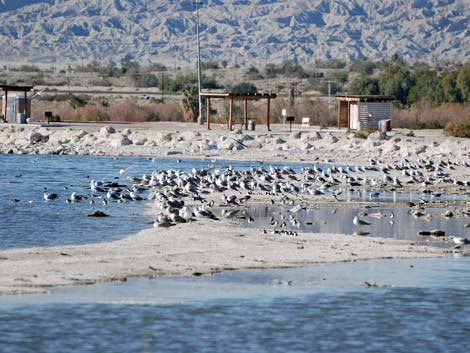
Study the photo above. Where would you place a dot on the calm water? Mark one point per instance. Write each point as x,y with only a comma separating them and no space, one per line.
339,220
418,306
40,223
421,306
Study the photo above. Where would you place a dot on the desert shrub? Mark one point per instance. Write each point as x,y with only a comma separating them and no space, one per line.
147,80
209,65
244,87
52,97
315,109
127,110
78,101
331,64
105,82
430,116
458,128
363,67
90,113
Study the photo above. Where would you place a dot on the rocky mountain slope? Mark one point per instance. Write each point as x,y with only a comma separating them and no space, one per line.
239,31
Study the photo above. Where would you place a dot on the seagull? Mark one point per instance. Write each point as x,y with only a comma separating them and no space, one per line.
359,222
50,196
460,241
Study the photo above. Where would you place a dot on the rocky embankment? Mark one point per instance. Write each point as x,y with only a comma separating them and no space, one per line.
193,141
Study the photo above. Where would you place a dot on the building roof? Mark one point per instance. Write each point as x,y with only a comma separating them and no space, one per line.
364,98
254,96
16,88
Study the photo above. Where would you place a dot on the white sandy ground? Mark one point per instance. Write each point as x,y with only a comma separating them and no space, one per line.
204,247
201,247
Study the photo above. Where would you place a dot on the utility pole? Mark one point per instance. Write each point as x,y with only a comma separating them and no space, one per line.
163,87
329,94
200,119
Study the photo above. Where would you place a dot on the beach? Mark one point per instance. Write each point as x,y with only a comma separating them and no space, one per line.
205,246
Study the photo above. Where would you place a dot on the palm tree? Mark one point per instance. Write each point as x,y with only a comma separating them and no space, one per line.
190,103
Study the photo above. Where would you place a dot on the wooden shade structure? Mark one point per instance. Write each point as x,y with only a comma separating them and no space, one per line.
238,96
8,88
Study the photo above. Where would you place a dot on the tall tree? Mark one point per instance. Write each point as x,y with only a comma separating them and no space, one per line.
364,85
395,80
449,87
427,86
463,82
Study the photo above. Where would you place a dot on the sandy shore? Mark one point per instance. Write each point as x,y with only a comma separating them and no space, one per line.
206,246
201,247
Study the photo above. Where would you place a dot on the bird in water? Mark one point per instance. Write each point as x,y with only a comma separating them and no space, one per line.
359,222
49,196
460,241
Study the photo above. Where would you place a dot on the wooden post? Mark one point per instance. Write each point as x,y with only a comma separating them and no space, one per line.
349,116
230,114
208,113
268,114
340,105
6,106
245,113
25,98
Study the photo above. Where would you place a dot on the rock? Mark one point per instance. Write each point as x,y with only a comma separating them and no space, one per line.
330,138
120,141
105,130
421,149
81,134
172,153
296,134
36,137
140,141
279,141
167,137
238,131
98,214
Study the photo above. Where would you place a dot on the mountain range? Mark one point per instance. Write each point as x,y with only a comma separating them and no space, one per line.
238,31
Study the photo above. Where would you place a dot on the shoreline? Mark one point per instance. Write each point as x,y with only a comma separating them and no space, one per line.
207,249
204,247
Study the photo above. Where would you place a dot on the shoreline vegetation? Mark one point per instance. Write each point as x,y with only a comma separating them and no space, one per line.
203,246
427,96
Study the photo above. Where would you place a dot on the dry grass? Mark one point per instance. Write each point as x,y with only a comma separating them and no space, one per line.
459,128
129,110
430,116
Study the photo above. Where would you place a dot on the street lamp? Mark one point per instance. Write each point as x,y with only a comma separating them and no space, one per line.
200,119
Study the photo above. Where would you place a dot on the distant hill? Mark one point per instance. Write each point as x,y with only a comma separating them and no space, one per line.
239,31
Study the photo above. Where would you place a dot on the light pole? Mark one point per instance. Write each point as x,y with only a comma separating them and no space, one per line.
200,119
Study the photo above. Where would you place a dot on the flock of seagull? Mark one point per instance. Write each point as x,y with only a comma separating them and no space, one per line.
222,193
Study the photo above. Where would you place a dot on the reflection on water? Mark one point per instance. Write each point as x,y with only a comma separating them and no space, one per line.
385,221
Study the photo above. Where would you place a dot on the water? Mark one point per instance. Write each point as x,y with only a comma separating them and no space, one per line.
420,306
339,220
40,223
417,306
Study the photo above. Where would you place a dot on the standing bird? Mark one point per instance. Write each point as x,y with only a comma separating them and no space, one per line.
460,241
359,222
